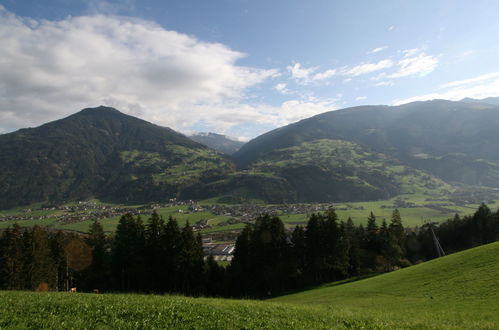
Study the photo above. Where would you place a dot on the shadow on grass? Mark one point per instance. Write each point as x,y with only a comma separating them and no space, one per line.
326,285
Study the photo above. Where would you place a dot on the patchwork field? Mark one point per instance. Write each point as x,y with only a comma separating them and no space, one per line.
415,209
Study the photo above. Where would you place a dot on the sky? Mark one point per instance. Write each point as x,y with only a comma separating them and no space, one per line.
239,67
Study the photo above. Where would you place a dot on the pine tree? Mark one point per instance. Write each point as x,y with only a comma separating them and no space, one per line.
191,261
397,229
128,265
172,245
240,270
154,250
41,266
57,243
299,253
354,260
316,263
98,274
11,259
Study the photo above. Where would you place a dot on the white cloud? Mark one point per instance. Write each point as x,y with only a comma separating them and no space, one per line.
421,65
377,50
50,69
411,52
306,76
391,28
301,74
368,68
324,75
282,88
478,91
385,83
471,81
107,7
361,98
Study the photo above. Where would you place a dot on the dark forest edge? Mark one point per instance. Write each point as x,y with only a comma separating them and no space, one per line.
160,257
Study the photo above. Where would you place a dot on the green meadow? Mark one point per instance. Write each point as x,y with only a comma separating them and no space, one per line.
453,292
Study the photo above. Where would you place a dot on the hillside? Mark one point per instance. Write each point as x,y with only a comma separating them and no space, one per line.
455,141
101,152
217,142
458,291
323,171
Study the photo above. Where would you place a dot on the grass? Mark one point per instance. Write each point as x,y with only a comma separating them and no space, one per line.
113,311
457,291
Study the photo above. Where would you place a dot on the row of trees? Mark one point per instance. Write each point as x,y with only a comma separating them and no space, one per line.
267,261
154,257
160,257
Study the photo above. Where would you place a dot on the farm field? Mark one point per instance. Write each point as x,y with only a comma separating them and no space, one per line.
414,209
457,291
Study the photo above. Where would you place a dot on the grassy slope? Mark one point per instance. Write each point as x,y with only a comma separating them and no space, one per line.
458,291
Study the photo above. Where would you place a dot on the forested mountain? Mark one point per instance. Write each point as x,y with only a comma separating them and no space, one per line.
455,141
218,142
101,152
355,154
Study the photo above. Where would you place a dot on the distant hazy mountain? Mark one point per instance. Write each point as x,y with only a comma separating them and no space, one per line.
101,152
488,100
218,142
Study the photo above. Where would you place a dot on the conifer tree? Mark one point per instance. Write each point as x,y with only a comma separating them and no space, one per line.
40,265
172,245
191,261
154,250
11,259
128,265
98,274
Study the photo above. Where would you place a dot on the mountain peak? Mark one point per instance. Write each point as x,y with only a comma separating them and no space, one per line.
100,110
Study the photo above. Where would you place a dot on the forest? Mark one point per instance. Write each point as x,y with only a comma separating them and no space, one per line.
157,256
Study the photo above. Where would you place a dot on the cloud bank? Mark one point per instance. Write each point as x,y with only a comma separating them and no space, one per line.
51,69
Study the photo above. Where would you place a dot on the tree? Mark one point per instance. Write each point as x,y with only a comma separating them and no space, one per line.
41,269
128,264
98,274
240,267
397,230
154,250
191,261
11,259
299,253
170,262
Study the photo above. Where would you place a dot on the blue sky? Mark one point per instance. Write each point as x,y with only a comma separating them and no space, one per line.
239,67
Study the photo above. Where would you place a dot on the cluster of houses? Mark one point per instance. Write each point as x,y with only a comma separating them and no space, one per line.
219,251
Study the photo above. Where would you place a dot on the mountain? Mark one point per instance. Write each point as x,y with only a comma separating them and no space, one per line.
454,141
101,152
218,142
488,100
355,154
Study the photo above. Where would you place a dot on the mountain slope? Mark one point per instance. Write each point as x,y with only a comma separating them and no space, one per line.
100,152
456,141
217,142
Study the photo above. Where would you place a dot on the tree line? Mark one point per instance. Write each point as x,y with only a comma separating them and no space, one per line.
160,257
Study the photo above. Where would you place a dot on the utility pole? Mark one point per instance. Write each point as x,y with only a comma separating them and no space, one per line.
438,247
